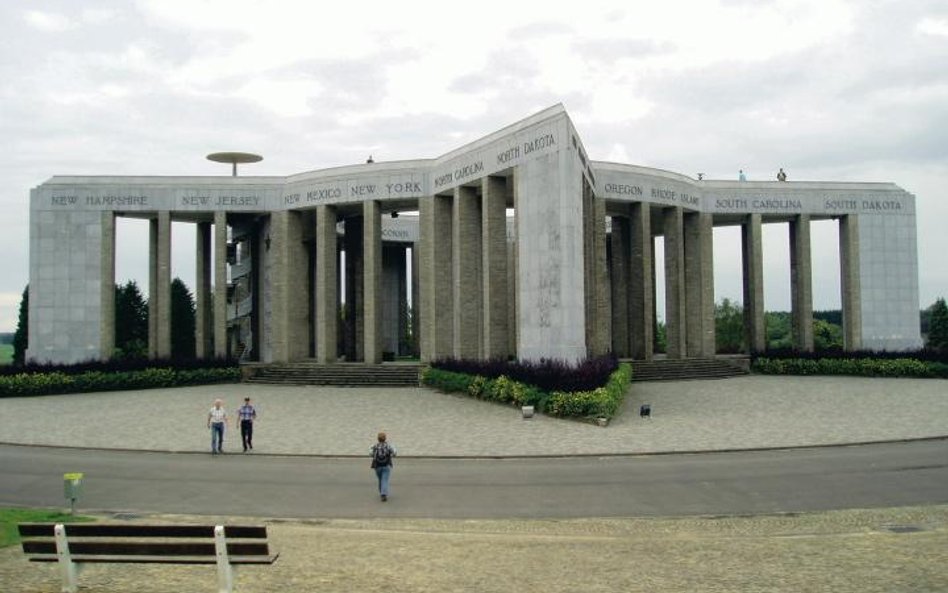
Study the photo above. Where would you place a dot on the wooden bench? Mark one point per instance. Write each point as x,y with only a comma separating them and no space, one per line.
75,544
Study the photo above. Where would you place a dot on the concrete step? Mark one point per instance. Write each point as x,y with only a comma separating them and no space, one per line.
687,368
354,374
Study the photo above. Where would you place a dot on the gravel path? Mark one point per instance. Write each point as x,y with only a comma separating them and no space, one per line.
855,551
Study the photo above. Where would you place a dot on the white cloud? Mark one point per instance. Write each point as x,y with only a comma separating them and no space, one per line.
97,16
48,21
618,154
933,26
287,98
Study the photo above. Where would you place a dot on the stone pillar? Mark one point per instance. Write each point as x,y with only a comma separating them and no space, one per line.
393,295
289,335
641,283
276,331
220,285
709,341
655,294
849,281
602,323
801,283
159,302
466,249
513,269
598,338
752,263
107,287
675,303
152,288
402,315
550,253
415,301
621,242
327,289
699,284
435,277
494,265
341,292
202,291
372,281
354,288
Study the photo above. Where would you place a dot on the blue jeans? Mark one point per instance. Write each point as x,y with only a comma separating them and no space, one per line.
383,474
217,437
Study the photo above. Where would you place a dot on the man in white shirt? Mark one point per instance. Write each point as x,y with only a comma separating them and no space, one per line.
216,421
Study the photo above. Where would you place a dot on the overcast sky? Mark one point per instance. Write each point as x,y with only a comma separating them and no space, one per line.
826,89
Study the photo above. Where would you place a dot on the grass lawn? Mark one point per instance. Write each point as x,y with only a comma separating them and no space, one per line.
10,517
6,353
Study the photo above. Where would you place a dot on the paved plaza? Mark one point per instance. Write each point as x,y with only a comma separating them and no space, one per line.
742,413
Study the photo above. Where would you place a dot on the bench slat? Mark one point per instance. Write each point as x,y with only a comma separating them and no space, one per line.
127,548
133,530
160,559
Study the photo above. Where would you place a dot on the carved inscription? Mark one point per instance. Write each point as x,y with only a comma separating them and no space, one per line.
107,200
323,194
460,173
620,189
404,187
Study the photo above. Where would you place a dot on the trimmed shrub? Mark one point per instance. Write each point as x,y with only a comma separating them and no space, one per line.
923,354
599,402
602,402
865,367
26,384
121,365
545,374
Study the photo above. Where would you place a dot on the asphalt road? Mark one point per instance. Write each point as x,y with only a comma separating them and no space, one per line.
760,482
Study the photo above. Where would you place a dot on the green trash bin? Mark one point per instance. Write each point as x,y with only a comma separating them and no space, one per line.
72,487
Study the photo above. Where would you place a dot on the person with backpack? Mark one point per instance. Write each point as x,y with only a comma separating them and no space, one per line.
382,453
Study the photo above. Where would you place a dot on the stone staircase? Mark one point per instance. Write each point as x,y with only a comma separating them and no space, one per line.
344,374
667,369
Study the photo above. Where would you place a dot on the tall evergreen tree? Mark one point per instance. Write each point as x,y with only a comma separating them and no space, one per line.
22,335
131,321
183,322
938,326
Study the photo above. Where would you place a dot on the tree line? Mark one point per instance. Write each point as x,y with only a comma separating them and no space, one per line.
827,328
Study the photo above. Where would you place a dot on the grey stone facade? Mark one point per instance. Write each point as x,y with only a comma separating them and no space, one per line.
570,274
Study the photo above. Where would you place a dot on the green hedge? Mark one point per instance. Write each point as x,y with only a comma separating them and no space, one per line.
602,402
864,367
57,382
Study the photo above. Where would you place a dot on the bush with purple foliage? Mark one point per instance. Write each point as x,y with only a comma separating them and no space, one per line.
121,366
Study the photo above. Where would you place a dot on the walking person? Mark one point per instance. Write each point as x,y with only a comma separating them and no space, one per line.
247,414
216,421
382,453
781,175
